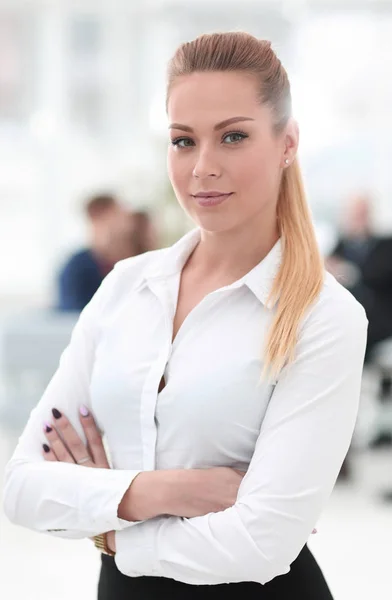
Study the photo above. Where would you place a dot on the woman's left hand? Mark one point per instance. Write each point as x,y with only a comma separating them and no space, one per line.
65,445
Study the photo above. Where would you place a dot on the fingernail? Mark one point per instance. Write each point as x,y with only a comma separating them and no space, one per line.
46,448
56,413
84,411
47,427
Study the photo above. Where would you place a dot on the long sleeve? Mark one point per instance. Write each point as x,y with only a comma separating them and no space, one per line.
68,500
303,440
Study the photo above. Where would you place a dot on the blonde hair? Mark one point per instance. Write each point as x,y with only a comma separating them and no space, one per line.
300,277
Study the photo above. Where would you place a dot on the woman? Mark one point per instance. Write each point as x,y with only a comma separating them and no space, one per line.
224,371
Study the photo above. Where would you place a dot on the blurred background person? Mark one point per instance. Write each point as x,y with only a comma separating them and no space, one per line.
362,261
144,232
355,241
110,240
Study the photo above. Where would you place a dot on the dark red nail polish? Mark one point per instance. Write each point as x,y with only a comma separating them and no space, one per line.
46,448
48,428
56,413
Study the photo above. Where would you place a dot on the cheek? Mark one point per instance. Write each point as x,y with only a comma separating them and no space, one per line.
169,165
258,171
178,171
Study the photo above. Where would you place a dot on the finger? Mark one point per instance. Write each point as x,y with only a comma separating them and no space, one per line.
94,438
72,442
48,453
57,445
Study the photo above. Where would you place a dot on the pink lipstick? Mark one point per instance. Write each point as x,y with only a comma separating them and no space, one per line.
211,198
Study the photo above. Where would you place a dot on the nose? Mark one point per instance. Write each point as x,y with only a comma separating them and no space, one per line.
206,165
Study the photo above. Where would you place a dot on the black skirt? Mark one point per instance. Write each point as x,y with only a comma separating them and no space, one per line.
305,581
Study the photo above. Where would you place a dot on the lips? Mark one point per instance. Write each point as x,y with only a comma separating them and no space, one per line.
210,194
211,198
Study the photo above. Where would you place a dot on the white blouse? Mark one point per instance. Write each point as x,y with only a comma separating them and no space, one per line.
290,435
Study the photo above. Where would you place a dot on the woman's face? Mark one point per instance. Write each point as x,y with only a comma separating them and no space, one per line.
225,161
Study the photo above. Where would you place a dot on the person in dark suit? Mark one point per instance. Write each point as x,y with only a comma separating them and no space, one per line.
354,245
377,277
110,226
377,290
362,261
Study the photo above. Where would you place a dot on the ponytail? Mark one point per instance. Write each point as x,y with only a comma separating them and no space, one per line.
301,274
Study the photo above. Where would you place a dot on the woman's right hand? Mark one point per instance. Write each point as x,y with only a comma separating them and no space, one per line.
197,492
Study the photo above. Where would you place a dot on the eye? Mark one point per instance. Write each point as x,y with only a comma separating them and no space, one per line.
234,137
182,142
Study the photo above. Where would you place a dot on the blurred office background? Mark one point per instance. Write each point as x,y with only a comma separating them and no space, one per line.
82,87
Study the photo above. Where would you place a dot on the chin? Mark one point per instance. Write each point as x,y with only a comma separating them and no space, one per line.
215,223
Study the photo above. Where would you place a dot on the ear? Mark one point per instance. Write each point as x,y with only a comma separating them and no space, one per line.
290,142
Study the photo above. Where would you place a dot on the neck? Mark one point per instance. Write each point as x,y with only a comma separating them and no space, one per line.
235,252
99,244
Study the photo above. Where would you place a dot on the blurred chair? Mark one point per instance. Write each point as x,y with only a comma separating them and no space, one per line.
381,359
30,348
382,356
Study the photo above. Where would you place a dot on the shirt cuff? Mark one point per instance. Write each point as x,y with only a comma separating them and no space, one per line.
102,509
135,549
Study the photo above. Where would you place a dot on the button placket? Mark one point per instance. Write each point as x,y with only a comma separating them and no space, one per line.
150,390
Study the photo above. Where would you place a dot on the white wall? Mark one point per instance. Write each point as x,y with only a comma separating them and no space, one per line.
81,97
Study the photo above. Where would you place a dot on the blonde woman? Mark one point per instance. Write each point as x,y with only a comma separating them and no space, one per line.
224,371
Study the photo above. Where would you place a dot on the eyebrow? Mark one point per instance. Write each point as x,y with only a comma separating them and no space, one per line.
217,127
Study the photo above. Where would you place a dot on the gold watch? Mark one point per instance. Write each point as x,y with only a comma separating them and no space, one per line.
100,542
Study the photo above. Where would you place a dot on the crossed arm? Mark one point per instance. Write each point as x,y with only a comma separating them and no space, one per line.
303,440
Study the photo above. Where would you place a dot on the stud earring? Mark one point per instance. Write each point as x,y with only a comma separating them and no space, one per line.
286,162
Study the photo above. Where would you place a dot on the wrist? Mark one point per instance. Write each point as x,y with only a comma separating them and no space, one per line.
146,497
102,543
111,541
177,491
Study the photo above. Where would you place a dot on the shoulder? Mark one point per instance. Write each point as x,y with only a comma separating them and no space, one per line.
336,312
78,259
81,256
338,248
333,330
